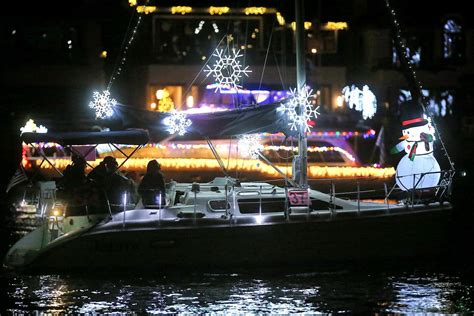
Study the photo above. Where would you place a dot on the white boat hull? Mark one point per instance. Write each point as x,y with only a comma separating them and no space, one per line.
315,240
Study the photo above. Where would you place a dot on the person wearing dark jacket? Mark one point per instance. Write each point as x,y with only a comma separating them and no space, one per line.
152,186
74,175
108,180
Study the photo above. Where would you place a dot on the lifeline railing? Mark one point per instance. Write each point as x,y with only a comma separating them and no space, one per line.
379,189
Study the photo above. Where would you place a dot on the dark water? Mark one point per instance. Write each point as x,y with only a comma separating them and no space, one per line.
337,291
438,285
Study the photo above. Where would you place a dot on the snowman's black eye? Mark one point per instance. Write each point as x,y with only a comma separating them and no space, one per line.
408,132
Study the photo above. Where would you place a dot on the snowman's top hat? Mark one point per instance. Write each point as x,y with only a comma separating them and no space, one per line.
411,115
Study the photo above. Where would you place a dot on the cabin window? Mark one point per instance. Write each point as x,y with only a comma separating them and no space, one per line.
218,205
275,205
271,205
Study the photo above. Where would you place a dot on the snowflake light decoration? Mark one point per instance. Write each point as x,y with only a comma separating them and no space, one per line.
227,70
250,145
177,123
102,104
292,108
361,100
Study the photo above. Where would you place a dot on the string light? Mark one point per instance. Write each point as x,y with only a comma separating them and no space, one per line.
102,103
146,9
218,10
244,147
255,10
307,25
31,127
199,28
280,19
335,26
181,10
126,46
244,165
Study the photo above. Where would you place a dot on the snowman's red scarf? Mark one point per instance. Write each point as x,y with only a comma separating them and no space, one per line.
425,138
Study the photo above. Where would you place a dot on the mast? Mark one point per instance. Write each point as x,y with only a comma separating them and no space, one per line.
302,158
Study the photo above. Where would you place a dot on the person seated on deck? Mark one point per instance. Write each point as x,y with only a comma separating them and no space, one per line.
97,174
152,186
114,185
74,176
72,186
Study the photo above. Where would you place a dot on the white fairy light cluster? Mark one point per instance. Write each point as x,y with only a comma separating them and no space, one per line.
102,104
361,100
250,145
199,28
177,123
292,108
31,127
402,44
119,66
227,70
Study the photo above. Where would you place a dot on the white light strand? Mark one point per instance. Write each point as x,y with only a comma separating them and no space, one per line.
177,123
102,104
227,70
361,100
250,145
199,28
402,45
292,108
126,46
31,127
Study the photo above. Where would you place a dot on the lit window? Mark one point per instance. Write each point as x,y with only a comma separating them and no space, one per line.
412,50
438,102
452,39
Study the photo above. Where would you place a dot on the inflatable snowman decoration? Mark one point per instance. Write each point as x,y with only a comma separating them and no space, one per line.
418,169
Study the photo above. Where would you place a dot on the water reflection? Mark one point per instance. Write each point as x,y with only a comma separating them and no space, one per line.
233,293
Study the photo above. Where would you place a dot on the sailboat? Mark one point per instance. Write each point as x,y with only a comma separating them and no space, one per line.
227,223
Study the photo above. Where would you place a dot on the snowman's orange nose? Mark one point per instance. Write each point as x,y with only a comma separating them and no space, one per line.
404,137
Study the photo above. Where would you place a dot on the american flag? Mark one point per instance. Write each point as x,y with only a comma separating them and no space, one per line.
18,177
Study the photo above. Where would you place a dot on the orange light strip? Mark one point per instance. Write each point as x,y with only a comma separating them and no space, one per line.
250,165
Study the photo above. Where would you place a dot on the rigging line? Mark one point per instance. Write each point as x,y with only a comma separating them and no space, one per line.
417,83
266,55
229,153
246,37
123,52
199,72
279,72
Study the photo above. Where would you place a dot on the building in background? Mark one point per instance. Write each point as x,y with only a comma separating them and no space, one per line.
56,59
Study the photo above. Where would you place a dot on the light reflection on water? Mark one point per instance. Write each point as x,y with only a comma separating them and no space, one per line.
341,291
